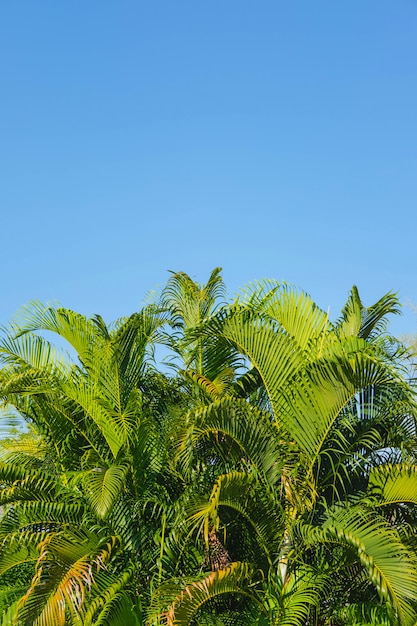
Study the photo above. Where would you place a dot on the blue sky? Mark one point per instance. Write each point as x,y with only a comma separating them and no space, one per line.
274,139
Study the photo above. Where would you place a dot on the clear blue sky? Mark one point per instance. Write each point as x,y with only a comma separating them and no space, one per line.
275,139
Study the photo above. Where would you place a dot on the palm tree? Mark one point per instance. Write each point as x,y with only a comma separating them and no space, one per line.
84,513
317,483
271,480
208,364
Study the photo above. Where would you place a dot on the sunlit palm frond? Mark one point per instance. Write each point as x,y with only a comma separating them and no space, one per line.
300,317
214,389
81,333
186,601
393,484
368,323
32,351
389,564
70,561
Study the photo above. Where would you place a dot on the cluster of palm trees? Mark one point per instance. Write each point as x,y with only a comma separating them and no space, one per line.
265,475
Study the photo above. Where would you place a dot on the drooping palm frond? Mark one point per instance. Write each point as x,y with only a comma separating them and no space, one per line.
247,431
19,482
318,397
20,549
69,559
32,351
251,502
184,602
389,564
109,604
81,333
214,389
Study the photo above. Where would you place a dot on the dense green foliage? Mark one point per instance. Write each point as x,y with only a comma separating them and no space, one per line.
267,475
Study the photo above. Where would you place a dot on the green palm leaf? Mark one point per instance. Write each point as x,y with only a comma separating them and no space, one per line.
188,600
394,484
389,564
103,486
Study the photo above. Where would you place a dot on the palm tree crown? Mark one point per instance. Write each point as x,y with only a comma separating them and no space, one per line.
270,480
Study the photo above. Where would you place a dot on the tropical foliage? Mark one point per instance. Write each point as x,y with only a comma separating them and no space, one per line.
265,474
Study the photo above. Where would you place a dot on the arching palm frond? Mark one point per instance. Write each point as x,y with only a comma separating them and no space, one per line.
183,602
103,485
247,432
393,484
70,561
81,333
260,509
109,603
389,564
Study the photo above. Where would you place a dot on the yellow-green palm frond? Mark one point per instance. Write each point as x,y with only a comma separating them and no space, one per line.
82,333
258,507
214,389
184,600
389,564
366,322
236,430
103,485
393,484
65,572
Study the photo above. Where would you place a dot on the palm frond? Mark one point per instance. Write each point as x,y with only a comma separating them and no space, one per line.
186,601
256,440
111,605
70,560
389,564
393,484
370,322
103,485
